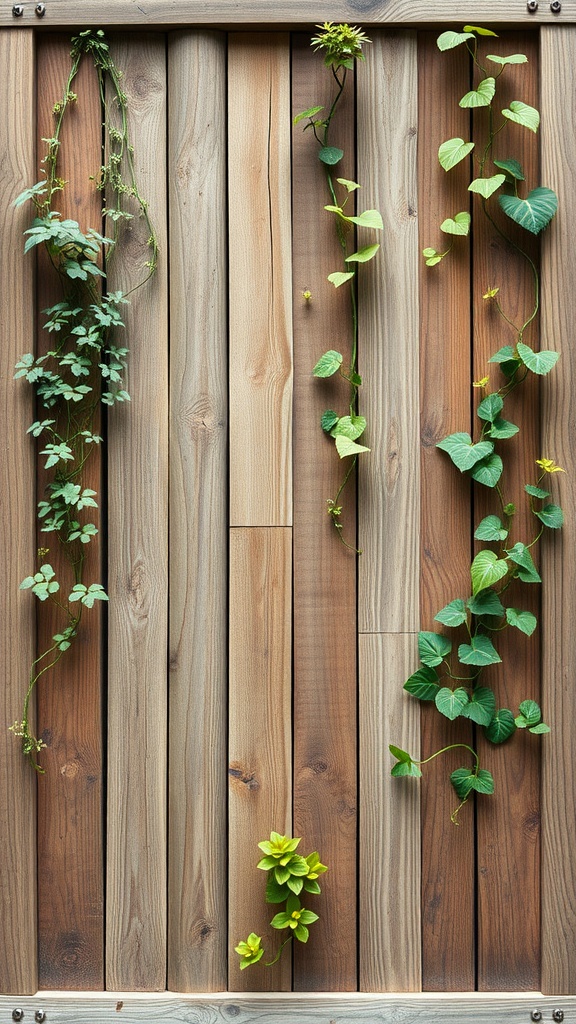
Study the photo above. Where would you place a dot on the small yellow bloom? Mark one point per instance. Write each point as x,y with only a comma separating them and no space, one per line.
491,293
549,466
307,295
480,383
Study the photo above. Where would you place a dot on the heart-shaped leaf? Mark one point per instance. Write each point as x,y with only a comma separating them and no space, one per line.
502,429
463,453
368,219
486,602
480,651
539,362
480,97
328,364
465,781
423,684
433,648
330,155
514,58
487,186
349,426
459,225
345,446
512,167
453,151
481,707
522,113
448,40
491,529
487,569
329,420
501,727
552,516
451,702
453,614
490,407
530,714
488,471
533,213
526,622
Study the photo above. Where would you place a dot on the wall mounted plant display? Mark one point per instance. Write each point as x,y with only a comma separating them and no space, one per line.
452,675
341,46
84,364
289,877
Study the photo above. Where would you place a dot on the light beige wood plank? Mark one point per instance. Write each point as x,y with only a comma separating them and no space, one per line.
260,740
388,344
18,970
288,12
390,952
197,936
260,280
558,107
137,523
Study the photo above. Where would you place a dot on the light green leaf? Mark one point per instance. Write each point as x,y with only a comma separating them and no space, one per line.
481,707
433,260
425,252
536,492
480,31
448,40
523,114
530,714
368,219
480,651
480,97
487,186
552,516
526,622
311,112
328,364
514,58
399,754
330,155
521,557
533,213
363,255
540,729
345,446
459,225
512,167
463,453
349,426
486,602
350,186
433,648
502,429
491,529
487,569
338,278
452,614
539,362
488,471
490,407
453,151
423,684
501,727
450,703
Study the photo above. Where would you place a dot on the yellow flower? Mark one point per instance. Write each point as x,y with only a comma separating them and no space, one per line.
549,466
491,293
480,383
307,295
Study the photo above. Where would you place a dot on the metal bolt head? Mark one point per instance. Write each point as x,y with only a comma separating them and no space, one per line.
558,1016
555,6
536,1016
532,6
17,12
39,1016
17,1014
40,10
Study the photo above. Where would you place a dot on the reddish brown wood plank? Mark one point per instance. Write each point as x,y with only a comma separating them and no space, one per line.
70,881
509,822
447,851
325,571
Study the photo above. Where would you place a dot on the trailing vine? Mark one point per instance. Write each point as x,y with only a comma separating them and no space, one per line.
289,875
453,678
84,366
341,45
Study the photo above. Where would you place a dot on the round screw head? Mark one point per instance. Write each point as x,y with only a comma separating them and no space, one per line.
17,1014
536,1016
555,6
532,6
40,10
39,1016
17,12
558,1016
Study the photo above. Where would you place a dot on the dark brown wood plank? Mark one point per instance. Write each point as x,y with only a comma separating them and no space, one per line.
70,875
324,570
447,851
509,822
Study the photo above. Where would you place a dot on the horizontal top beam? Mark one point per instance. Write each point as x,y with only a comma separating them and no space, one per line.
280,13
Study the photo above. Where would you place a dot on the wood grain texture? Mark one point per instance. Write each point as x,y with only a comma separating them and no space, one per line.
559,550
447,852
389,488
197,936
69,697
260,785
325,577
509,823
138,447
260,280
228,13
390,954
18,958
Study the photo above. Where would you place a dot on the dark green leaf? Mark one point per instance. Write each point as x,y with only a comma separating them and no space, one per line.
533,213
536,492
526,622
552,516
401,755
530,714
452,614
512,167
502,429
433,648
490,407
521,556
486,602
422,684
501,727
481,707
330,155
275,893
329,419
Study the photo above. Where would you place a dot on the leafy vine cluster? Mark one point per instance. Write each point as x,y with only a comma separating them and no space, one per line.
451,675
83,368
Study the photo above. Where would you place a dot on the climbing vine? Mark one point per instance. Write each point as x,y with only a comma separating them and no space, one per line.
84,365
341,46
451,675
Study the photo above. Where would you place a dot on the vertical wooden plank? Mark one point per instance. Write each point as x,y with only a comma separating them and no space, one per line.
70,844
260,280
390,956
447,852
389,528
18,970
137,707
509,823
558,52
325,571
260,737
197,935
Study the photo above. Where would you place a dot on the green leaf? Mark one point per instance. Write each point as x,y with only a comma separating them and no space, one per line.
514,58
486,602
450,703
452,614
402,768
501,727
345,446
530,714
490,407
459,225
539,362
423,684
275,893
328,364
463,453
425,252
433,260
507,358
502,429
552,516
526,622
433,648
311,112
536,492
453,151
465,781
329,420
512,167
448,40
480,97
368,219
540,729
533,213
399,754
521,556
481,706
523,114
338,278
487,569
490,528
480,31
480,651
350,186
330,155
488,471
349,426
364,255
487,186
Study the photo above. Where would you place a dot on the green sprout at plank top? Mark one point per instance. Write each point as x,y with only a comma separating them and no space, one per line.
84,365
452,672
341,46
289,875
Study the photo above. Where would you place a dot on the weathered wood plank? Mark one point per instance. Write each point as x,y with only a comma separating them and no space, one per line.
298,13
509,823
325,790
69,701
559,551
18,970
447,852
390,956
260,739
137,523
389,488
197,934
260,280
